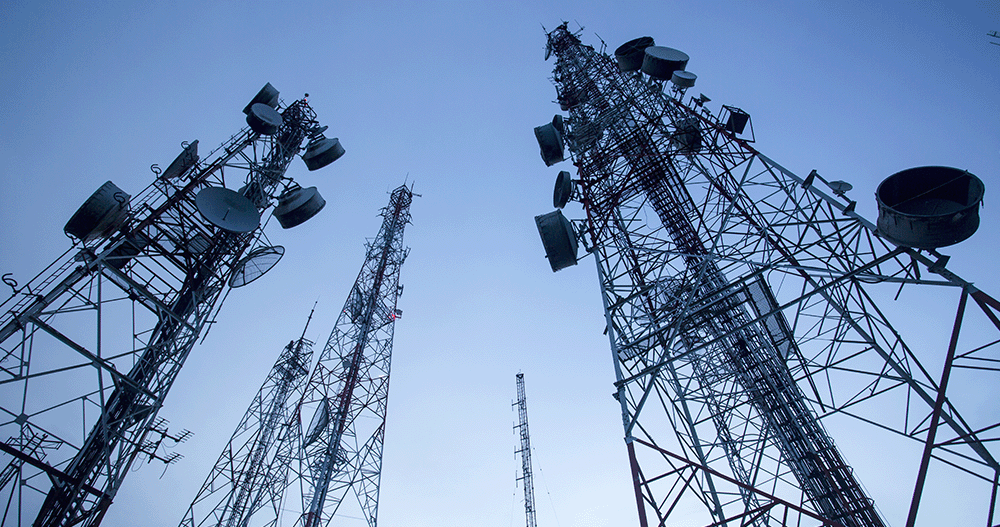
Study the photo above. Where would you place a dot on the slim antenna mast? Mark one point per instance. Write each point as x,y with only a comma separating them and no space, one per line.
348,389
525,451
252,471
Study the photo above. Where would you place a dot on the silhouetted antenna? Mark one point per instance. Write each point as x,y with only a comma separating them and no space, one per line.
525,451
996,35
348,389
251,475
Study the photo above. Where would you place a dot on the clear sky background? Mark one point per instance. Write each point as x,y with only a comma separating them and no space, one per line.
445,95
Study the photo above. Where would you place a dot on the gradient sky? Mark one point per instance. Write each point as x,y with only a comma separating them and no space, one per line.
445,94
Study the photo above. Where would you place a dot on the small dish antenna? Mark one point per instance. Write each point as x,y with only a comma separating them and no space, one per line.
185,160
267,95
321,152
557,121
563,190
103,213
550,142
297,205
558,238
683,79
840,187
227,209
255,264
263,119
319,421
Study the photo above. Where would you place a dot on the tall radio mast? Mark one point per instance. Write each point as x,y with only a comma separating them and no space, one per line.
525,451
348,390
252,472
745,305
90,347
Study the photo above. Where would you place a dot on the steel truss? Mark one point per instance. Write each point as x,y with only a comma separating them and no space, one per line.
91,346
252,472
349,386
743,312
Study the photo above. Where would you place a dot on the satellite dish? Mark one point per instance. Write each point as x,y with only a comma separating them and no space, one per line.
550,142
683,79
267,95
557,121
255,264
929,207
103,212
558,239
631,53
563,190
319,421
263,119
227,209
321,152
297,205
185,160
661,62
839,187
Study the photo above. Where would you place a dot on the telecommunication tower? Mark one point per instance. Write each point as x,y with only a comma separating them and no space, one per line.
746,307
525,451
348,389
90,347
252,472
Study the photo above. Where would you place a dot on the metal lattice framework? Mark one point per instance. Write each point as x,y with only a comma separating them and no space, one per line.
252,472
743,312
349,386
525,451
90,347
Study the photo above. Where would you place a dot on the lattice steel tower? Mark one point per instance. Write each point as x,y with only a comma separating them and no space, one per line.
349,386
748,309
90,347
525,451
252,472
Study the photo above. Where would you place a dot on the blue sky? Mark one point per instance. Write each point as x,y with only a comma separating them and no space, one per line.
445,95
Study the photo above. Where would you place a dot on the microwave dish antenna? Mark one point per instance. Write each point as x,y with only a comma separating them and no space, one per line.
227,209
255,265
263,119
563,190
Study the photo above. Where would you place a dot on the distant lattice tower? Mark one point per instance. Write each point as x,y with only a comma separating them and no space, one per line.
252,473
748,309
349,386
525,451
90,347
